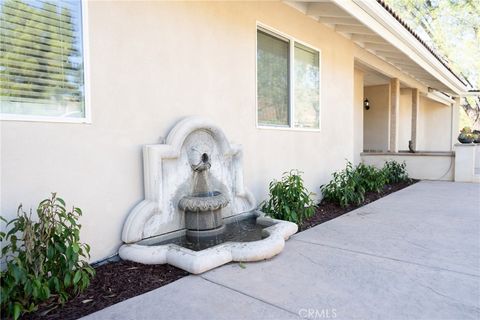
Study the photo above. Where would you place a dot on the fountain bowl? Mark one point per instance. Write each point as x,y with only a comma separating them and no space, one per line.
148,251
203,215
203,202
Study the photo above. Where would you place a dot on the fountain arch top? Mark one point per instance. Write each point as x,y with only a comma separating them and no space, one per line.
186,126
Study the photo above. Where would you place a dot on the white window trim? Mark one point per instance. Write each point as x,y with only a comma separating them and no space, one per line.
87,119
292,40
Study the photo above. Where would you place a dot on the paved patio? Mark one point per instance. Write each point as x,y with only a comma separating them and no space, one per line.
414,254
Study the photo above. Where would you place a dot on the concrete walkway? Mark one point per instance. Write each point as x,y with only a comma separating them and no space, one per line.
412,255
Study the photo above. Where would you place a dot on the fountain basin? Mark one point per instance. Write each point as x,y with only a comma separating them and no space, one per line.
195,262
203,215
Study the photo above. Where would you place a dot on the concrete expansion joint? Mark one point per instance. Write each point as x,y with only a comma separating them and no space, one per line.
247,295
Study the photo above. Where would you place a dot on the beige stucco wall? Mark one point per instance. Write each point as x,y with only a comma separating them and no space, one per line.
375,120
434,126
357,115
420,166
152,63
434,123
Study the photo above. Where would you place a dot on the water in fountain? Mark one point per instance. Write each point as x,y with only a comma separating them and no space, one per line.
245,230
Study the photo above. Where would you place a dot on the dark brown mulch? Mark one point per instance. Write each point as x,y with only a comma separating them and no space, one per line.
327,210
114,282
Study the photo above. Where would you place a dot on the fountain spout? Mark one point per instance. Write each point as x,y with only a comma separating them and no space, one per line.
203,165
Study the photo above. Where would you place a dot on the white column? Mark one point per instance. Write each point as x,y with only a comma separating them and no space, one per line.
394,114
415,111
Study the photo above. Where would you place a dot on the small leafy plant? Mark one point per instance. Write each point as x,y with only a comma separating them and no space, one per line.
289,199
45,260
345,188
371,178
395,172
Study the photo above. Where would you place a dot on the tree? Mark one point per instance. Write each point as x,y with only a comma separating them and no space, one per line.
452,28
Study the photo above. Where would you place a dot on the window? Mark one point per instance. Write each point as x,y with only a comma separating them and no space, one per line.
41,60
288,82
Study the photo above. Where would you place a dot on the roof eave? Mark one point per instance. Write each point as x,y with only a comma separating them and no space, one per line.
374,16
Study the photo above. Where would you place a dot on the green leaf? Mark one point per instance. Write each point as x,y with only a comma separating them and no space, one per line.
69,253
50,252
17,310
61,201
77,277
75,247
45,292
56,283
90,271
67,280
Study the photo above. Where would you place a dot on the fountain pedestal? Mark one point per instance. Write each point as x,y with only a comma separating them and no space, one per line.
203,209
203,213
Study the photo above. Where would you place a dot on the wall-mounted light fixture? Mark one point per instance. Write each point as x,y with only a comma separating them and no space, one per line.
366,104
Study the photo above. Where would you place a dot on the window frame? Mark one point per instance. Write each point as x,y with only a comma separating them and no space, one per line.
291,85
87,118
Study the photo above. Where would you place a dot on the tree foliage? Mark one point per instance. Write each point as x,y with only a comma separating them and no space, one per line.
452,28
273,78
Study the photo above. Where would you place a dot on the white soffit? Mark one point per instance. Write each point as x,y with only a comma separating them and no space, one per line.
373,28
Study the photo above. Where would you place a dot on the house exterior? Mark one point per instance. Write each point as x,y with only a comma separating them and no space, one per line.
287,80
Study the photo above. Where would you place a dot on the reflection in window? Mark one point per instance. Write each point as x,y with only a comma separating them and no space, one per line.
307,98
272,80
41,58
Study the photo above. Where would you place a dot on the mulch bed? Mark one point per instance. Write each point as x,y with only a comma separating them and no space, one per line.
121,280
327,210
113,283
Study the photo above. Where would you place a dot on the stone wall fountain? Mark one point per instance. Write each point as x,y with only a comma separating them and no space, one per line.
197,214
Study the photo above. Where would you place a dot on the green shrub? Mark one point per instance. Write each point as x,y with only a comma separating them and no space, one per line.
395,172
44,260
371,178
345,188
349,185
289,199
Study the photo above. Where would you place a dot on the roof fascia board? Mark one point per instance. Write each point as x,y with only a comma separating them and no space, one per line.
439,97
377,18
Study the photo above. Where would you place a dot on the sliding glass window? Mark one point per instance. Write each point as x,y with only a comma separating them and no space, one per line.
288,82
